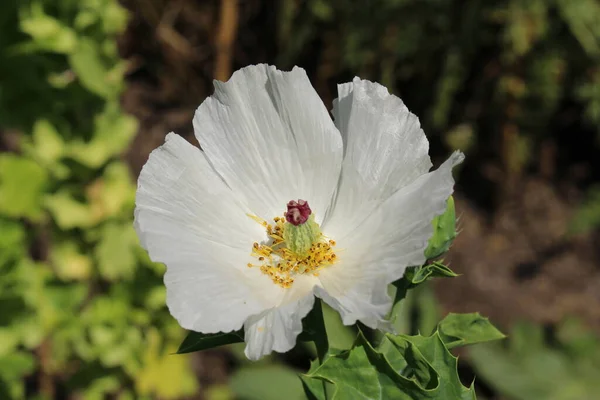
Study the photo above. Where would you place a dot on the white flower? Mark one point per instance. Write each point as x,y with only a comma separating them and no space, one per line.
266,139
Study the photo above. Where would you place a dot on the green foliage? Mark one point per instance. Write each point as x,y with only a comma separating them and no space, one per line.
464,329
420,299
444,232
89,313
196,341
528,366
22,184
160,370
402,366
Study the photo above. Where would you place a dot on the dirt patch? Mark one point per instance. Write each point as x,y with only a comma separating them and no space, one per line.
521,263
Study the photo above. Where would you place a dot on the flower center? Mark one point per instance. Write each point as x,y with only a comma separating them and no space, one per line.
296,246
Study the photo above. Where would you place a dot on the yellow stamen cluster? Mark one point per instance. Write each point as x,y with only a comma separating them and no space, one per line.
281,264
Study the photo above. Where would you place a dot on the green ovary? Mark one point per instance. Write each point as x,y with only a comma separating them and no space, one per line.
300,238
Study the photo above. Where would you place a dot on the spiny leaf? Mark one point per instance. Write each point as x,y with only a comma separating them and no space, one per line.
417,276
196,341
422,368
439,359
464,329
414,276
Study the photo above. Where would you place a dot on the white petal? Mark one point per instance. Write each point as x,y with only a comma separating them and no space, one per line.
269,136
278,328
384,150
187,218
366,301
394,237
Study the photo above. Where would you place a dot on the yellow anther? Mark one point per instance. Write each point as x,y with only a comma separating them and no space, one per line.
280,263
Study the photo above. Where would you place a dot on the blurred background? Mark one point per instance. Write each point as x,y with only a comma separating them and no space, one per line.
89,87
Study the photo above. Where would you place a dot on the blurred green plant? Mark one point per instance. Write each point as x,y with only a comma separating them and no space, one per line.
480,73
83,309
531,365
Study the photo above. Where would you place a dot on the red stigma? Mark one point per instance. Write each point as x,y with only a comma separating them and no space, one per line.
297,212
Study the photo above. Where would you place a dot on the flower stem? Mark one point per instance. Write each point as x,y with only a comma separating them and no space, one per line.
320,333
320,336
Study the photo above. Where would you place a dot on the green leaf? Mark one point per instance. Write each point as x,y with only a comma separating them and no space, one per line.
414,276
114,192
196,341
68,212
113,133
464,329
422,369
266,383
16,365
114,17
438,358
417,275
47,32
314,389
48,146
115,253
165,376
69,262
444,232
89,67
22,184
13,368
107,196
582,19
12,241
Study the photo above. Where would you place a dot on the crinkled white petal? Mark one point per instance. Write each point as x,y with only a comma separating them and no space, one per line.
367,301
277,329
268,134
188,219
377,253
384,150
